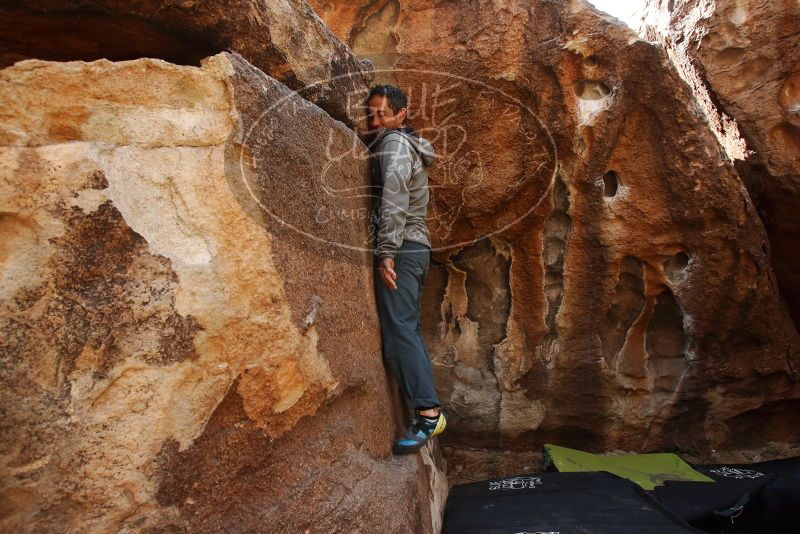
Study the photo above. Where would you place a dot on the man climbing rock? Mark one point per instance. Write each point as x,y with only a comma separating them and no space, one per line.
402,254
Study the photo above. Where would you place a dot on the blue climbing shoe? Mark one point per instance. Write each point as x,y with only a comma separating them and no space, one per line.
419,432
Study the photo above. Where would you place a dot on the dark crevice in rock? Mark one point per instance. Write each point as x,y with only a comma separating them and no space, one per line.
675,266
488,294
466,373
773,201
610,183
666,344
591,90
556,232
90,35
626,305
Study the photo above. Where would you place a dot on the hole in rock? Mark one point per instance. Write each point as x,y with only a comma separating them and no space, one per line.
591,90
91,35
675,267
610,183
590,61
730,55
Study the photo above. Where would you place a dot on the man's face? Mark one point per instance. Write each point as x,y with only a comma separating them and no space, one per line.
380,115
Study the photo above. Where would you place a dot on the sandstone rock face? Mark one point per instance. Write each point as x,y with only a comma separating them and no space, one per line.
175,358
742,58
603,278
284,39
189,338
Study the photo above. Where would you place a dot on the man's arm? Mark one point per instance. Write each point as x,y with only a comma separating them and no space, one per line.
397,163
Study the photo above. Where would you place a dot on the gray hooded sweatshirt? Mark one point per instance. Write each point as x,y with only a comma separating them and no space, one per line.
401,161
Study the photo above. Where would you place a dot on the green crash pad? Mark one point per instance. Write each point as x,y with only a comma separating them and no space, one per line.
647,470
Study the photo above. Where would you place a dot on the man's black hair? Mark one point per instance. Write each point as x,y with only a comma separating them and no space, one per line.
396,99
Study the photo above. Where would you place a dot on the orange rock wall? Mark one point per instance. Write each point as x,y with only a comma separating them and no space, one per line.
603,277
189,337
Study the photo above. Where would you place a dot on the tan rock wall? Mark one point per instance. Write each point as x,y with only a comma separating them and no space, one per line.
170,358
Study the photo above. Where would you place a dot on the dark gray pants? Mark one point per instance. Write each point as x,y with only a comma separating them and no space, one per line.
399,312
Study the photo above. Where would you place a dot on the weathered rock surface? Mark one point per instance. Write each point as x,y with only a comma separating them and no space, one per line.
622,295
284,39
173,357
742,59
189,338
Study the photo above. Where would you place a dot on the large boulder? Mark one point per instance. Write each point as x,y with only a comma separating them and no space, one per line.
742,60
175,356
603,277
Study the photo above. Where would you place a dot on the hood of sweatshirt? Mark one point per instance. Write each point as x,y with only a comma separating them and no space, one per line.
423,147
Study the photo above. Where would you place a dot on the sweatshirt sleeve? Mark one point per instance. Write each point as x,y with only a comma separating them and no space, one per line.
396,162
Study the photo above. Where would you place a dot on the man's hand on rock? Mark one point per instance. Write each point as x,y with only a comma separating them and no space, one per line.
388,276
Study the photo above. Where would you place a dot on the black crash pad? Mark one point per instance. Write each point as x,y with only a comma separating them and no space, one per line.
557,503
772,508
